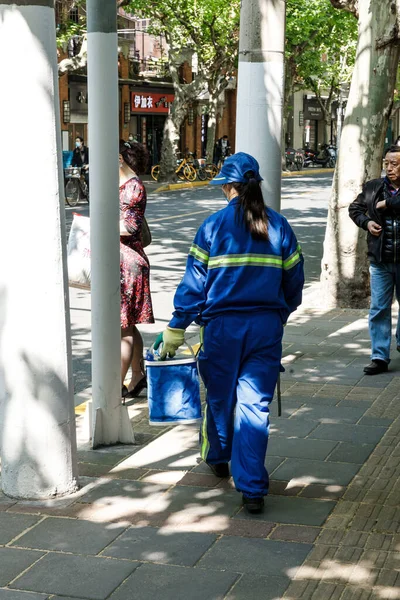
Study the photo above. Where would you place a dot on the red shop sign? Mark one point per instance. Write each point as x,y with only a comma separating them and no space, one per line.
142,102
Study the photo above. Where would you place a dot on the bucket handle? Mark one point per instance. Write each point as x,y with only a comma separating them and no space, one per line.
151,349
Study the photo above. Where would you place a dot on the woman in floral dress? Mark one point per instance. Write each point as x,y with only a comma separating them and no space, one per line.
136,304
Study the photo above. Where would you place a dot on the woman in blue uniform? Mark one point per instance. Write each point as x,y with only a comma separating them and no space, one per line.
243,278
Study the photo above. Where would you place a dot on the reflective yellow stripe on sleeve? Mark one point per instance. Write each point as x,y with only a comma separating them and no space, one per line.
199,254
293,259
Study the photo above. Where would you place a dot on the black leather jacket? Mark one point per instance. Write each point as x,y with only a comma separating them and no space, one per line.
80,157
385,247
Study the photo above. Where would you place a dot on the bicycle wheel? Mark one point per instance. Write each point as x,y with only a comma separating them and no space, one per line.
211,171
201,174
290,166
181,174
189,173
72,192
155,172
84,190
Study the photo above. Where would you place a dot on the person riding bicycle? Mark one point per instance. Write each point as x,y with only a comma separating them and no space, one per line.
222,149
80,158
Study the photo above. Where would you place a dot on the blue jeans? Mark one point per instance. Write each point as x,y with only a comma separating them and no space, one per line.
385,278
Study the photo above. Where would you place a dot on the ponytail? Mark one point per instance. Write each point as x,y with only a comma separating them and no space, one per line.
251,207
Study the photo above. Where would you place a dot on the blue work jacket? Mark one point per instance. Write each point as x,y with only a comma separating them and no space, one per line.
228,271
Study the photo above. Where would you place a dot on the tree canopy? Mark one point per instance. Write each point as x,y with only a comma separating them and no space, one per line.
320,44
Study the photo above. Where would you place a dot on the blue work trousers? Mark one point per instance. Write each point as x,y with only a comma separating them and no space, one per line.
385,279
239,364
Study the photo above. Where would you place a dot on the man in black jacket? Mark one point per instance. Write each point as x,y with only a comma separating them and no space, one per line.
377,210
222,149
80,158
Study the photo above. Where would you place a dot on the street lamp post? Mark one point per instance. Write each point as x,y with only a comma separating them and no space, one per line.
111,422
261,89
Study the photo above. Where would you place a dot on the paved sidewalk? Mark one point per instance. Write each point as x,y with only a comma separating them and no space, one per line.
151,521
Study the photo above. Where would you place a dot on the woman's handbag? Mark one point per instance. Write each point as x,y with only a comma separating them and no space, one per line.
145,233
173,390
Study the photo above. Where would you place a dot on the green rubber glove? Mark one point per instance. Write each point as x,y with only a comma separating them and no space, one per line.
171,339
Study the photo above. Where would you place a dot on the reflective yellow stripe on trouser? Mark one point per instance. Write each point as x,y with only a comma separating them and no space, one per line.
205,444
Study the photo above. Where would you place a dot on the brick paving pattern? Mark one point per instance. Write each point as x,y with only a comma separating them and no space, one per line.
151,521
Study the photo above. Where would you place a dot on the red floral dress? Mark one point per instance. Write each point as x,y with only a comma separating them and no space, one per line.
136,304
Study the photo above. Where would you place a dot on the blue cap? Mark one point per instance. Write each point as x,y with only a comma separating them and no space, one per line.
235,168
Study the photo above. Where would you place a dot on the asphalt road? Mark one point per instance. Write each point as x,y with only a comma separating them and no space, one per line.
174,218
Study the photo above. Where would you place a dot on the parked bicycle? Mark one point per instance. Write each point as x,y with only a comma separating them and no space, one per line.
294,159
184,170
200,166
211,170
204,170
76,187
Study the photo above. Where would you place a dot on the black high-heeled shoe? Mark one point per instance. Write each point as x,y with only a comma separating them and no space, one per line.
141,385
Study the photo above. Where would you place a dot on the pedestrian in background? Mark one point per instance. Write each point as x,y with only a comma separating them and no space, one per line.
136,306
243,278
377,210
80,157
222,149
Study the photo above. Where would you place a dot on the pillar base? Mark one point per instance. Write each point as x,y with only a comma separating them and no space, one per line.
99,436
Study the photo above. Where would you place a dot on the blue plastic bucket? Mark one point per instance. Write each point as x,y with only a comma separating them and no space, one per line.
173,391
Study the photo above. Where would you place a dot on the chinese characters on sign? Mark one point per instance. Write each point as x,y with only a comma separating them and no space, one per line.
143,101
154,103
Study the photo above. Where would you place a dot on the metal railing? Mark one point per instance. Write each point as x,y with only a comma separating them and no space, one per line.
148,66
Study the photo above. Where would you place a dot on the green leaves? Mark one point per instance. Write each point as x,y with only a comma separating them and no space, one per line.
210,28
320,43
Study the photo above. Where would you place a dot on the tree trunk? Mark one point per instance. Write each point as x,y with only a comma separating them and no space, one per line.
290,70
168,151
211,124
184,92
68,65
171,135
344,278
327,120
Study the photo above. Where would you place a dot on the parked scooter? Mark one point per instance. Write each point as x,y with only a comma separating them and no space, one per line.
324,158
332,151
76,187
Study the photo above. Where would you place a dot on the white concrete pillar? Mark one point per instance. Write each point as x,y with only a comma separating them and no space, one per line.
110,419
260,90
37,420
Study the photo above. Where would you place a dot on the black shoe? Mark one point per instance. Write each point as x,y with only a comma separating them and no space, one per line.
220,469
375,367
137,389
253,505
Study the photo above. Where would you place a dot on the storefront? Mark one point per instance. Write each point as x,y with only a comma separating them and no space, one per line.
149,109
312,122
75,114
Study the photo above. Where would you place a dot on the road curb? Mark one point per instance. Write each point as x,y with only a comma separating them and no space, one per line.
307,172
170,187
180,186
